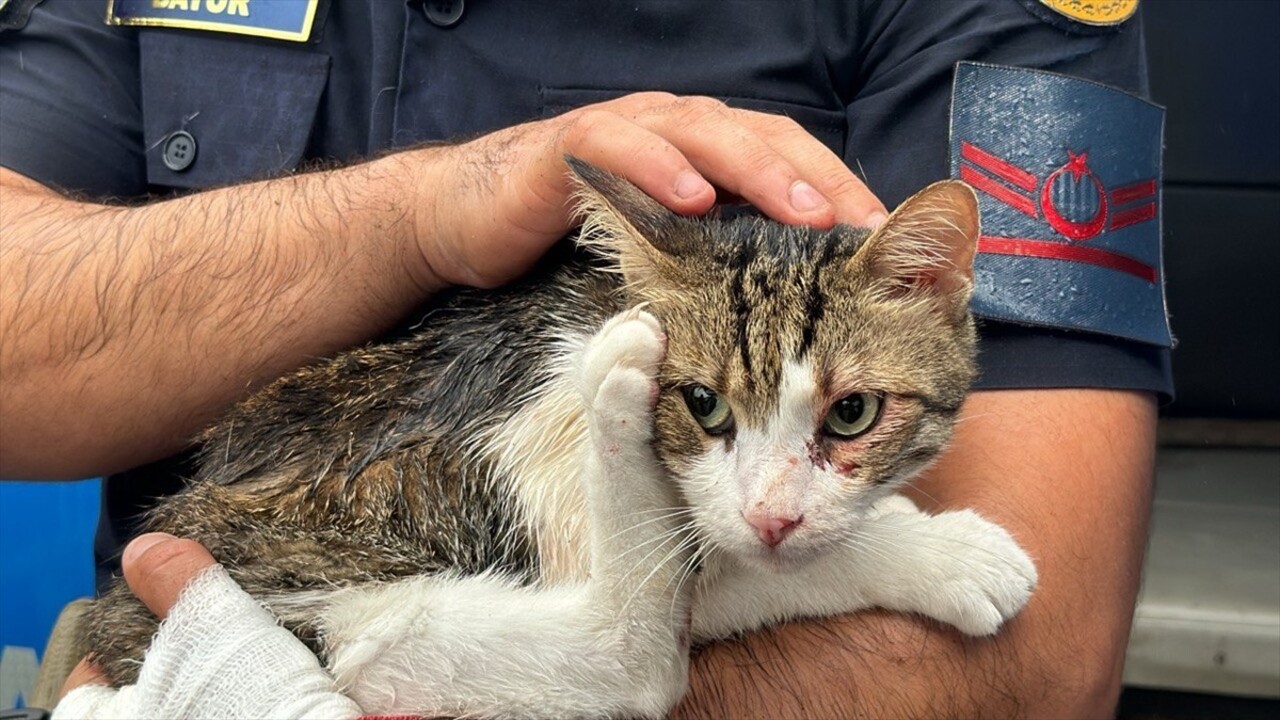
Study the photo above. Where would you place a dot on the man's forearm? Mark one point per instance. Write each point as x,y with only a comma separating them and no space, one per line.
125,330
158,316
1068,472
881,665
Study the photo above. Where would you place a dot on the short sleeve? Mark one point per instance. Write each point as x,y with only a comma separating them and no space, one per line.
70,111
899,128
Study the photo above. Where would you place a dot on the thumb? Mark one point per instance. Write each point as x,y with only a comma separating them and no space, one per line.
157,566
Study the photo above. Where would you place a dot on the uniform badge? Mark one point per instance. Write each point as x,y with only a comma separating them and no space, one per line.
1099,13
276,19
1069,189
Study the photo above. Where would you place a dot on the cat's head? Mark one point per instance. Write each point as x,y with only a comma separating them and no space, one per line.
808,373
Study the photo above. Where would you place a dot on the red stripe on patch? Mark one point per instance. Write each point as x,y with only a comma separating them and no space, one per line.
1005,170
1136,191
1023,247
1018,202
1142,213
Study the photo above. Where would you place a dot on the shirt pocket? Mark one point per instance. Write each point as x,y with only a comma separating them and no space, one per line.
829,126
247,108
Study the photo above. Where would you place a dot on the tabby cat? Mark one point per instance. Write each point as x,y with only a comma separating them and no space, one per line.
674,429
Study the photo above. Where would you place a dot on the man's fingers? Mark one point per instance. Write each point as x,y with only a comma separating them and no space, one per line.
854,203
158,566
657,141
647,159
735,157
84,673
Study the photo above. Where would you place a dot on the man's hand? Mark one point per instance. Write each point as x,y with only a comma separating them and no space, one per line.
218,653
156,567
505,197
126,330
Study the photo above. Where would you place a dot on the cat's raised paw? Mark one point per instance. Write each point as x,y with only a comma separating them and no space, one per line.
631,339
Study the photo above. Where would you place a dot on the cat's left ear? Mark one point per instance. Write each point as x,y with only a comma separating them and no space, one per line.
928,243
622,222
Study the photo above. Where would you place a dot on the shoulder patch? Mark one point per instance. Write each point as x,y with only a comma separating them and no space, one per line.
1069,190
276,19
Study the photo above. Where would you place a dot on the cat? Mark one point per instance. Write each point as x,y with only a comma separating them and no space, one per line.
672,431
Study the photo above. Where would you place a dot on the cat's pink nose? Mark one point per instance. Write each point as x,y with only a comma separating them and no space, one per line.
772,530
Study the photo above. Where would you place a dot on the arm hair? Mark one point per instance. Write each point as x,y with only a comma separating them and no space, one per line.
125,330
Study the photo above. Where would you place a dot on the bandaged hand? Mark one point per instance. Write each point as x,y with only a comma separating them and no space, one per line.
218,653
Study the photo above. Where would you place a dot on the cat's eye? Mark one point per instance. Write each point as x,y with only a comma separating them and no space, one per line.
708,408
852,415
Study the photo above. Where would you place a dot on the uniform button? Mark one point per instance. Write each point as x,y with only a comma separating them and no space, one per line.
179,151
443,12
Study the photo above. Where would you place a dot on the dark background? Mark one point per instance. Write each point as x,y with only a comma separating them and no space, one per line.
1215,64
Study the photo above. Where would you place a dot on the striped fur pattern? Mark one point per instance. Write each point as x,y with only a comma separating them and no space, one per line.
525,468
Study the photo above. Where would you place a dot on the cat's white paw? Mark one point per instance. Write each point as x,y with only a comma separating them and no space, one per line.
980,576
620,386
631,339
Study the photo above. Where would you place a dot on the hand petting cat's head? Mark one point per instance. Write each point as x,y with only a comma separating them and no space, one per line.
808,373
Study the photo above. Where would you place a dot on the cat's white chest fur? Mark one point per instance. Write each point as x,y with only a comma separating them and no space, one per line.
539,451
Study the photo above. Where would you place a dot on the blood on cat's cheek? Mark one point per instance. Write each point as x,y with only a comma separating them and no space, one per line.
821,457
816,455
846,457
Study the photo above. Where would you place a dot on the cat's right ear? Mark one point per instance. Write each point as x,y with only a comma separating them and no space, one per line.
621,222
927,245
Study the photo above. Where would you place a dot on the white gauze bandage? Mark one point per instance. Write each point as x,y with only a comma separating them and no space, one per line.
219,654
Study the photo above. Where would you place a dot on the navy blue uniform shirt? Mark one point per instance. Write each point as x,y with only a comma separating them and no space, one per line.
86,107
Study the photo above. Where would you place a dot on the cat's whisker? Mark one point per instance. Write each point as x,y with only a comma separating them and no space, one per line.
686,571
685,545
963,418
693,558
686,540
668,516
979,548
877,551
651,511
912,484
661,541
666,513
889,550
660,538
